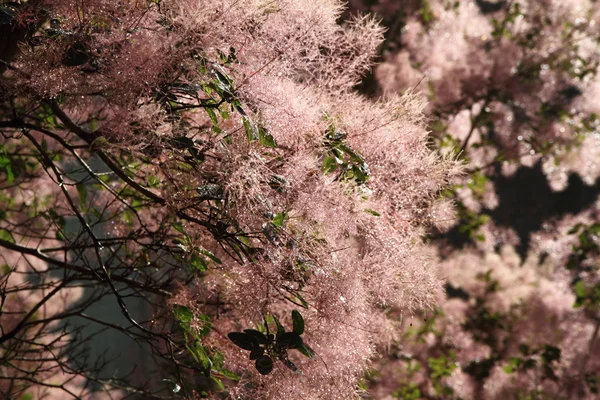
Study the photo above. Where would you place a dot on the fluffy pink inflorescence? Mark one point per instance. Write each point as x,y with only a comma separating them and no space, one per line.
350,247
360,263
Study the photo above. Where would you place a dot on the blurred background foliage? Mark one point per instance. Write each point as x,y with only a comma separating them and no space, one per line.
513,92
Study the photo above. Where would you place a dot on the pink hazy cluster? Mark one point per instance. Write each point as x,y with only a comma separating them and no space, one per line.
535,306
512,85
462,55
358,243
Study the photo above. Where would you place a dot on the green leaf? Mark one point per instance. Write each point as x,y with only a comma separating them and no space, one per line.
259,336
354,156
409,391
237,106
198,263
264,365
210,255
227,58
153,181
179,228
257,352
229,374
441,366
595,229
128,217
83,193
60,236
204,330
280,218
359,173
225,80
225,114
550,354
280,328
221,56
513,365
329,164
7,15
307,351
298,322
303,303
4,160
279,183
250,128
200,356
372,212
182,142
243,340
213,116
218,382
289,340
10,176
265,138
218,360
580,291
338,154
183,315
5,165
6,235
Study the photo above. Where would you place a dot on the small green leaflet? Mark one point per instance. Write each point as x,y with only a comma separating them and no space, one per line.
280,218
298,322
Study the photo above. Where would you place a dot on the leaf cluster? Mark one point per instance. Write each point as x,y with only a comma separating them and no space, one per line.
266,347
349,164
208,360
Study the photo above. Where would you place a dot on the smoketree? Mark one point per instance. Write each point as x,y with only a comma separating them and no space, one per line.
208,163
513,91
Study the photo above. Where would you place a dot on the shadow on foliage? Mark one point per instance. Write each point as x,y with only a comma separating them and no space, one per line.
490,7
526,202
